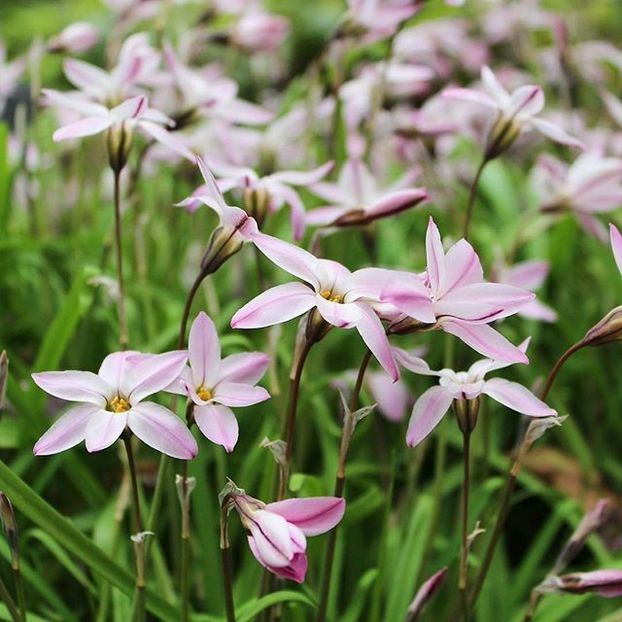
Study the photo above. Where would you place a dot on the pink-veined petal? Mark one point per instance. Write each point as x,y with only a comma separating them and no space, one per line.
276,305
204,351
67,431
116,365
616,245
556,133
494,87
410,295
470,95
74,386
435,257
413,362
303,178
396,202
463,267
73,101
104,429
517,397
485,340
525,101
131,108
295,570
425,593
373,334
153,374
246,367
271,534
85,76
218,423
313,515
288,257
161,429
337,314
84,127
166,138
427,413
236,394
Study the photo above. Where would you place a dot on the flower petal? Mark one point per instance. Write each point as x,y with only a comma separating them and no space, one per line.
84,127
246,367
302,178
74,386
204,351
427,413
67,431
463,267
166,138
373,334
435,257
271,534
131,108
392,398
104,429
313,515
218,424
237,394
295,570
153,374
616,245
517,397
525,102
556,133
409,294
161,429
472,96
278,304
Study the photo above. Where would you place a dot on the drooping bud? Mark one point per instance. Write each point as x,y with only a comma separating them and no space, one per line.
607,583
223,243
316,326
466,413
425,593
256,202
501,136
408,325
607,330
119,141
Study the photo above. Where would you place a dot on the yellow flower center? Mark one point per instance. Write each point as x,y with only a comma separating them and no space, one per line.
204,393
119,404
327,295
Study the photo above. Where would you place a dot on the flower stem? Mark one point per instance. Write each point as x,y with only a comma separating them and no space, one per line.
464,551
290,415
510,483
534,600
227,573
471,201
340,482
123,331
184,583
7,599
138,606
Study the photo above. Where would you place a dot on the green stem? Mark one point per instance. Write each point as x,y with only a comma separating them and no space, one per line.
7,599
185,546
340,482
123,331
464,550
227,572
510,484
471,201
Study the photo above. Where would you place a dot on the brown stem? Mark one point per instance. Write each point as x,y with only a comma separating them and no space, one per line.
123,331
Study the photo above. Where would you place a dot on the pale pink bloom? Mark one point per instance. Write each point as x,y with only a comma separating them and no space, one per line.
277,531
136,66
133,113
113,400
379,19
258,31
211,94
465,385
342,298
463,304
77,37
520,108
425,593
216,385
606,583
590,185
528,275
234,220
616,245
356,198
278,186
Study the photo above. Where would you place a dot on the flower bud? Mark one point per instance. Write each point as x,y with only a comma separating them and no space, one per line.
466,413
223,243
316,327
256,201
607,330
77,37
119,139
607,583
501,136
408,325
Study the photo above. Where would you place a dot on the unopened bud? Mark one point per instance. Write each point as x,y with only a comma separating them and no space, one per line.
607,330
256,202
466,414
9,524
119,139
223,243
408,325
316,327
501,136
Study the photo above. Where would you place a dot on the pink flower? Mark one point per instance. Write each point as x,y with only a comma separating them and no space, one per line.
215,385
211,94
258,31
357,200
379,19
137,64
113,400
517,111
133,113
342,298
528,275
277,531
607,583
591,184
77,37
466,385
272,190
616,245
425,593
463,304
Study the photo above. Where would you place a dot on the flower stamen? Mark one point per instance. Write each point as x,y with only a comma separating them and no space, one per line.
119,404
204,393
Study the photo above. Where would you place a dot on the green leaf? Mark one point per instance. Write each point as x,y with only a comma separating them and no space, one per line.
251,608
